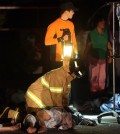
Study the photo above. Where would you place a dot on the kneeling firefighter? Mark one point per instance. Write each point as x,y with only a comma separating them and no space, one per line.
51,89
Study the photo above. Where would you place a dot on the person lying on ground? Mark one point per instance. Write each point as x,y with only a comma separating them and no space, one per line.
44,119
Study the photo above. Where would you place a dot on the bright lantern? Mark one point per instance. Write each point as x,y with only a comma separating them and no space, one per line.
67,50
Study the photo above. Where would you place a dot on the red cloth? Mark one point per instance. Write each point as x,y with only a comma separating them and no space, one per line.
97,74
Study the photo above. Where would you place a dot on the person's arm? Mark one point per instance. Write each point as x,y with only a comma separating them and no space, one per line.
109,46
50,36
43,116
110,52
10,128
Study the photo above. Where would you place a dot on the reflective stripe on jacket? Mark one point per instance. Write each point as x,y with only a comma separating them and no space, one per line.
49,90
45,83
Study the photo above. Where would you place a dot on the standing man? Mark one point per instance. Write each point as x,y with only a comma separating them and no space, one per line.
62,31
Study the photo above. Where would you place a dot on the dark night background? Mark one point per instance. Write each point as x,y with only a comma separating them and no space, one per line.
22,31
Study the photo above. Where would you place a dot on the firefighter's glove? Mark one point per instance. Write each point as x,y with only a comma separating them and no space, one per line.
87,122
78,74
74,67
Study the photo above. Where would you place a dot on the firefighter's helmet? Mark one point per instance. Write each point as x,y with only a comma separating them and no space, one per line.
74,67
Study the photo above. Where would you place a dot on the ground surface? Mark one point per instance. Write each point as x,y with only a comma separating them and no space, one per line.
108,125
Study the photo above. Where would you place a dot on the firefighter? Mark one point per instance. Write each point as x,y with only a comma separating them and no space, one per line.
51,89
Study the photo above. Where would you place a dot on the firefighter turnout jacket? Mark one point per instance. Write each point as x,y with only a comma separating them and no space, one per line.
51,89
